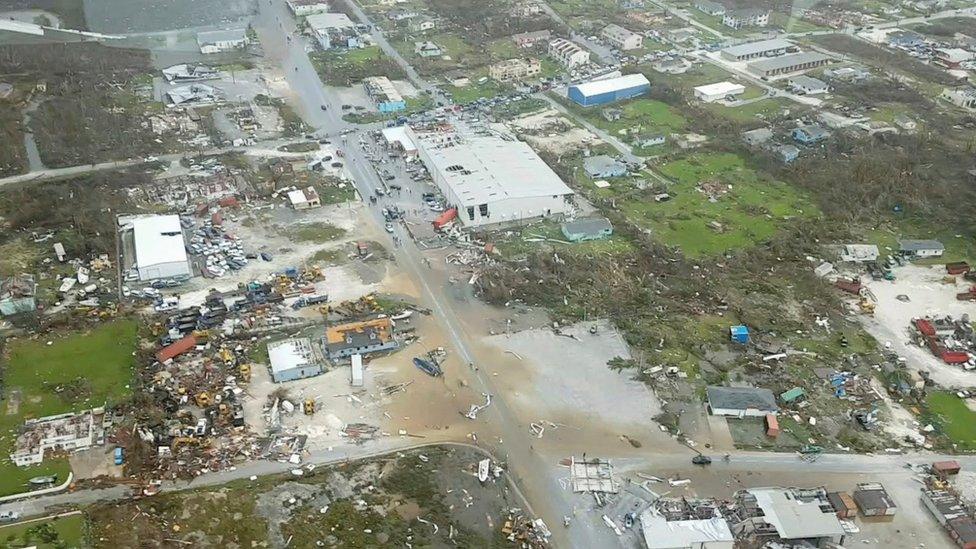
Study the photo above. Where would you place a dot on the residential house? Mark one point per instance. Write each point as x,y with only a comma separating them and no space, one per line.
757,137
964,97
710,8
304,199
587,229
810,134
806,85
222,40
672,65
749,17
401,15
787,153
363,337
301,8
921,248
650,140
859,253
622,38
604,167
568,54
513,70
952,58
905,39
611,114
427,49
529,39
740,401
18,295
847,74
422,24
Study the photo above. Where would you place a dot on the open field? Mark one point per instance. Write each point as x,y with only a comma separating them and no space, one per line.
749,207
78,371
13,155
315,232
954,419
57,533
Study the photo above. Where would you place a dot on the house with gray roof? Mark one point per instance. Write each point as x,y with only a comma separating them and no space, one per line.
740,401
593,228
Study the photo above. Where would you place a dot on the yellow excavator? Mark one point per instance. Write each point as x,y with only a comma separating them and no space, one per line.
203,399
245,372
309,406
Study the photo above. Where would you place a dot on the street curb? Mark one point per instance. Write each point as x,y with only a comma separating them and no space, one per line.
52,490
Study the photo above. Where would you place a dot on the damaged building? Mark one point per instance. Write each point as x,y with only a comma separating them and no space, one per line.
18,295
59,433
293,359
368,336
791,515
489,178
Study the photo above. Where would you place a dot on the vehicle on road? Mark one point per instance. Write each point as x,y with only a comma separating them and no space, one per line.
9,516
701,460
324,107
389,228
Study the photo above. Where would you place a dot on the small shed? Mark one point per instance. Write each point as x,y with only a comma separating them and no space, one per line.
356,373
772,426
794,394
587,229
739,334
873,500
921,248
843,504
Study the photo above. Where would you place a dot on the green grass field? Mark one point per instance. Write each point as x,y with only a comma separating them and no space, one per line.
315,232
749,212
955,419
60,532
81,370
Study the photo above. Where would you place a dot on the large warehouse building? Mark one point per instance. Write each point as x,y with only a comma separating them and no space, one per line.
601,92
787,64
490,179
160,251
755,50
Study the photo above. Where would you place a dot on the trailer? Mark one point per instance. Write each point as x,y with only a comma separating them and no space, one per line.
946,468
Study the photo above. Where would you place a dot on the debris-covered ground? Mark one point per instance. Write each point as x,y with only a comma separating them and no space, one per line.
430,497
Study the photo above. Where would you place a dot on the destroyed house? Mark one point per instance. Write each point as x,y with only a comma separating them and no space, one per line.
368,336
791,515
661,533
873,500
17,295
176,348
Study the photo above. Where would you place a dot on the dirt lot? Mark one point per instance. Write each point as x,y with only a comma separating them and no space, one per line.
389,501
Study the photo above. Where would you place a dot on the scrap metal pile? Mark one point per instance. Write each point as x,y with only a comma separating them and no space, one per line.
200,391
949,339
525,532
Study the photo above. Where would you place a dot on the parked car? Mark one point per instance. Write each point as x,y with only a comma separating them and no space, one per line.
701,460
389,228
9,516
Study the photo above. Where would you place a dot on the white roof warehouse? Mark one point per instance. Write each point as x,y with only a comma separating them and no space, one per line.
490,179
160,250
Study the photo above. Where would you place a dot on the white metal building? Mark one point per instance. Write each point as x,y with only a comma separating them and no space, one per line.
660,533
306,7
221,40
718,91
160,250
490,179
293,359
755,50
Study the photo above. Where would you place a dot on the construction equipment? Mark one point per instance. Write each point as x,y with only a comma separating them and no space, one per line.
185,441
867,305
245,372
203,399
309,406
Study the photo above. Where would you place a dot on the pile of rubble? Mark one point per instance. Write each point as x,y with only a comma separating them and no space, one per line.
525,532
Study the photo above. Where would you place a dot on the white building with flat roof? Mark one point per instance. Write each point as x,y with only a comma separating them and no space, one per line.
160,250
568,53
754,50
622,38
490,179
718,91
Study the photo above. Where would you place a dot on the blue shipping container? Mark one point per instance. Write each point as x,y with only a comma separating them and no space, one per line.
119,456
606,97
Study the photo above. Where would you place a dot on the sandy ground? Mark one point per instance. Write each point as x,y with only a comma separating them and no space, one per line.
559,139
564,380
929,295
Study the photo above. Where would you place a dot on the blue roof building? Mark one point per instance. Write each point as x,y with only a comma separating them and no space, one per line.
602,92
739,334
810,134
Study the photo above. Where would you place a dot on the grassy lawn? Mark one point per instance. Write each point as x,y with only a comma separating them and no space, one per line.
790,23
519,242
45,534
760,109
79,371
476,90
750,211
315,232
515,109
955,419
345,68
